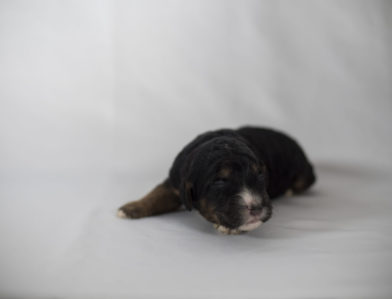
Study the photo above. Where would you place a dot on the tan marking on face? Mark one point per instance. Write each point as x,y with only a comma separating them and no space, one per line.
225,172
207,211
255,168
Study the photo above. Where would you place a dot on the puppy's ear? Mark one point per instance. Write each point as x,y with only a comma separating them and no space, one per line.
186,194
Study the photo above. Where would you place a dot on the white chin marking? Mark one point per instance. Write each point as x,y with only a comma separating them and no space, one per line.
249,226
121,214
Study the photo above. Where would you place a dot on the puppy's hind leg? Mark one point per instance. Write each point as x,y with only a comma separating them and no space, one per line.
303,181
162,199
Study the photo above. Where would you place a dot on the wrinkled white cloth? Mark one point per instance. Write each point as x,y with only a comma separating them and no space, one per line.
97,98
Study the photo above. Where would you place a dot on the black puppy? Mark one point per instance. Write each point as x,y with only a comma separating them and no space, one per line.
229,176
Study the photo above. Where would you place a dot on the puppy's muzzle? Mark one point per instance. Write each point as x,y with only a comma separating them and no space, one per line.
255,210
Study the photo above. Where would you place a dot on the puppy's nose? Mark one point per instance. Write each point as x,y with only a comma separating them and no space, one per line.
255,210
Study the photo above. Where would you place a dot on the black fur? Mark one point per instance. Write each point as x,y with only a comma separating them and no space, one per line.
267,162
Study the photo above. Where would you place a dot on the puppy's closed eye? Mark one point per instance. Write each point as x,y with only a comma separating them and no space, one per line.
220,182
260,176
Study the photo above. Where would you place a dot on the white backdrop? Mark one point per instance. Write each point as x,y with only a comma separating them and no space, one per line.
97,98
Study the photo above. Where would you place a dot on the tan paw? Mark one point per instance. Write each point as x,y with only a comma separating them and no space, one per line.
289,193
121,214
226,231
132,210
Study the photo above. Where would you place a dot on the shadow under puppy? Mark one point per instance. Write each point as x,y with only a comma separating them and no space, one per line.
229,176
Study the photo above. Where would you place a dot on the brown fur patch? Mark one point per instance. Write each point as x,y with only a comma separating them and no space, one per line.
299,185
162,199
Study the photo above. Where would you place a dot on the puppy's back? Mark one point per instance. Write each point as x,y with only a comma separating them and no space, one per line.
286,161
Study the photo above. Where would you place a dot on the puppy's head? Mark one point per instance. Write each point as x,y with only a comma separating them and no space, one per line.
227,184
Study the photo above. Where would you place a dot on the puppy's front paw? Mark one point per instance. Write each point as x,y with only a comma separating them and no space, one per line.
121,214
226,231
132,210
289,193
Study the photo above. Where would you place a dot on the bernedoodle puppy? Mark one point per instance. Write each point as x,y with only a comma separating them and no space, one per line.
229,176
